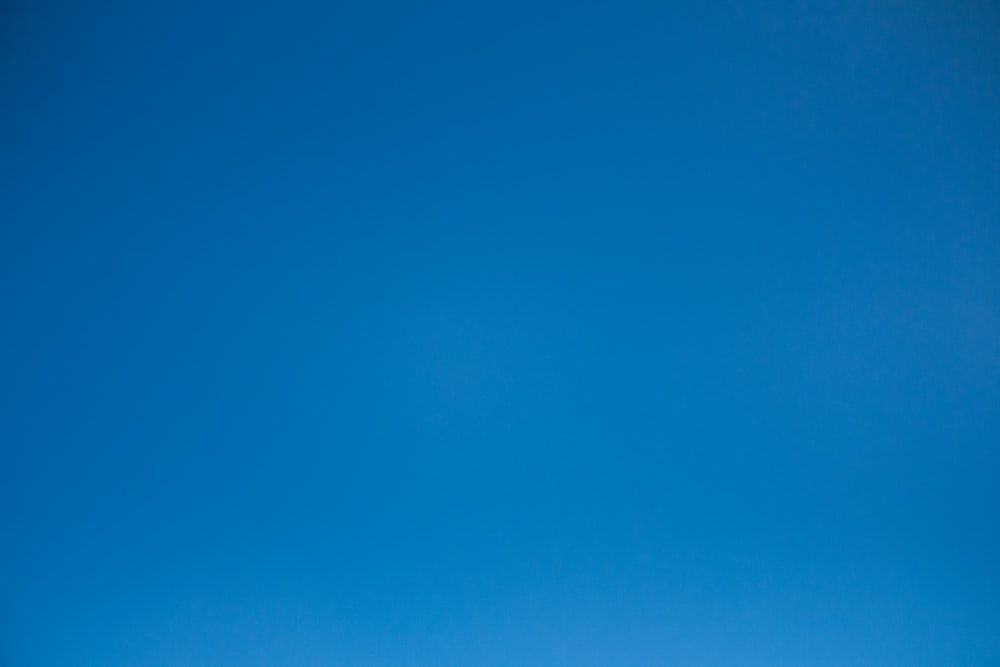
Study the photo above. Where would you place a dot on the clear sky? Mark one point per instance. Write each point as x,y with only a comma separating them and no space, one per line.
366,334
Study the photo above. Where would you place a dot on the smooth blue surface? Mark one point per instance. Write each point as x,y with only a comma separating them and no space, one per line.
366,334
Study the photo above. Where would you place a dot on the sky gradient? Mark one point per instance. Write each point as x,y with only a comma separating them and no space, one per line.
404,333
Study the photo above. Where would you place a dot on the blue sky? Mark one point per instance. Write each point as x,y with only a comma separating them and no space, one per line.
441,334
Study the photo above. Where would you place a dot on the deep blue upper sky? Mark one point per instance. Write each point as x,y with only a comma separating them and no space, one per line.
452,334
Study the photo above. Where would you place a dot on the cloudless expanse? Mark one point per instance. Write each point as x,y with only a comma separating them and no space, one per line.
364,334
